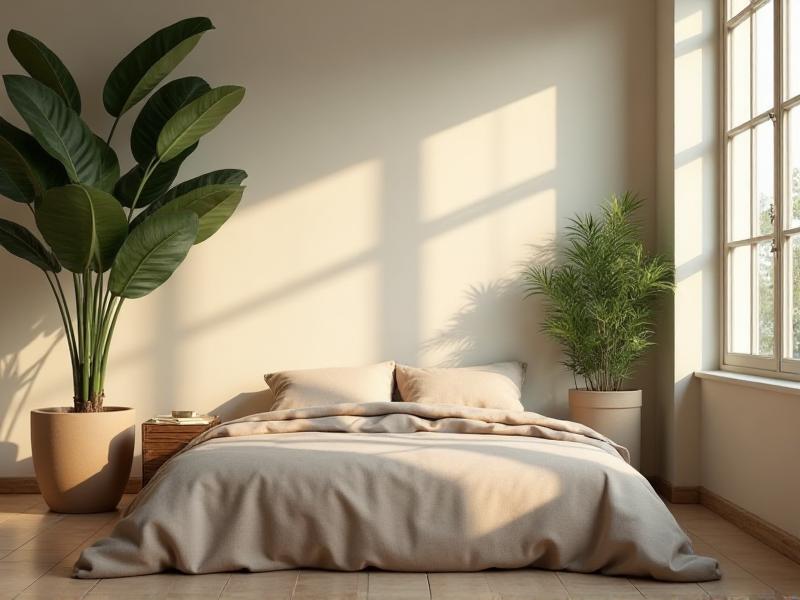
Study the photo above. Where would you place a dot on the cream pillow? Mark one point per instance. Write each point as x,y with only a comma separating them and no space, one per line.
318,387
498,385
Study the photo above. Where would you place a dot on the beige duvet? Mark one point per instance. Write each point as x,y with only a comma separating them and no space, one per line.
402,487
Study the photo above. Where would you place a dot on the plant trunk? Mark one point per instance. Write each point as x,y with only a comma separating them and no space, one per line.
93,404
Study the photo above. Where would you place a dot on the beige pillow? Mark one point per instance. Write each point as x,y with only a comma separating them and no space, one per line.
318,387
488,386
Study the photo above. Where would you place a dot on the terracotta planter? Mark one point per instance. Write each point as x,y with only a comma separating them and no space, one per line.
82,460
617,415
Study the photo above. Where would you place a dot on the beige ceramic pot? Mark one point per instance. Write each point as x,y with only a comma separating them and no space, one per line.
82,460
617,415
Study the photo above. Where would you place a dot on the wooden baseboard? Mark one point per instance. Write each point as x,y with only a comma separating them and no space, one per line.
18,485
675,494
774,537
28,485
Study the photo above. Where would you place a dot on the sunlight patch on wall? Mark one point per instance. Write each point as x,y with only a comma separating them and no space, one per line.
688,322
299,239
689,26
689,226
332,324
488,154
689,102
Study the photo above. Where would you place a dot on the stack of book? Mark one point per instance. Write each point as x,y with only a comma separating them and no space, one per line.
194,420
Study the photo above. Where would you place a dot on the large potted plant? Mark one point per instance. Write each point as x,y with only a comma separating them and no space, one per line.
118,237
600,302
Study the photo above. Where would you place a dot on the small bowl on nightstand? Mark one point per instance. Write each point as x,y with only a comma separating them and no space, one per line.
184,414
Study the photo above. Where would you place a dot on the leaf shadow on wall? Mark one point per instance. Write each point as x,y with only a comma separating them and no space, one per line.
34,322
496,322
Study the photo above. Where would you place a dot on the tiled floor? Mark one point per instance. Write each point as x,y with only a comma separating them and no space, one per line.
38,548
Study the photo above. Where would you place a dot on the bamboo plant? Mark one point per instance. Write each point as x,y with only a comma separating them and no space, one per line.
119,236
600,299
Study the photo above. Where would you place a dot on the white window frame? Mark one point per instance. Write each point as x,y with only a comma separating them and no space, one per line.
777,364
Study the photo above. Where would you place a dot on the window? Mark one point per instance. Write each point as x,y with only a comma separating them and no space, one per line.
761,274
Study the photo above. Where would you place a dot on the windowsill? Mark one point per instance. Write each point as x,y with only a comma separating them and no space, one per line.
760,382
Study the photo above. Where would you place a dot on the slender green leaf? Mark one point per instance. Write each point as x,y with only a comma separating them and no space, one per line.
150,62
213,205
156,186
58,128
221,176
158,109
41,169
109,166
196,119
43,65
22,243
151,253
84,226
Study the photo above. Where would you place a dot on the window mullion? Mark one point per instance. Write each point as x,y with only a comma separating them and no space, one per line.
754,295
779,209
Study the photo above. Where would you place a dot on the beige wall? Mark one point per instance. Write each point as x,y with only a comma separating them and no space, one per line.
404,159
750,450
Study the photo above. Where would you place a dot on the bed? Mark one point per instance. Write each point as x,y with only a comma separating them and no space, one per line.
399,486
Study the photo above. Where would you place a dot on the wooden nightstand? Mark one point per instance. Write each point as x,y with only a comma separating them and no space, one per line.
161,440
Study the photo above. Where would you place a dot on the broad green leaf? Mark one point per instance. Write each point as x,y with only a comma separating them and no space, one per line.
221,176
215,217
156,186
109,166
42,170
151,253
213,205
196,119
84,226
158,109
236,176
22,243
43,65
17,181
57,128
152,60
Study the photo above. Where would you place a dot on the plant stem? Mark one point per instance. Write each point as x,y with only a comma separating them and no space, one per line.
70,331
67,328
147,173
111,133
96,324
98,313
100,339
87,335
79,310
115,305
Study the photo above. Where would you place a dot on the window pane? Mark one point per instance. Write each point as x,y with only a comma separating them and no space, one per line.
765,296
792,59
740,299
793,167
739,92
764,55
765,177
739,207
793,310
736,6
